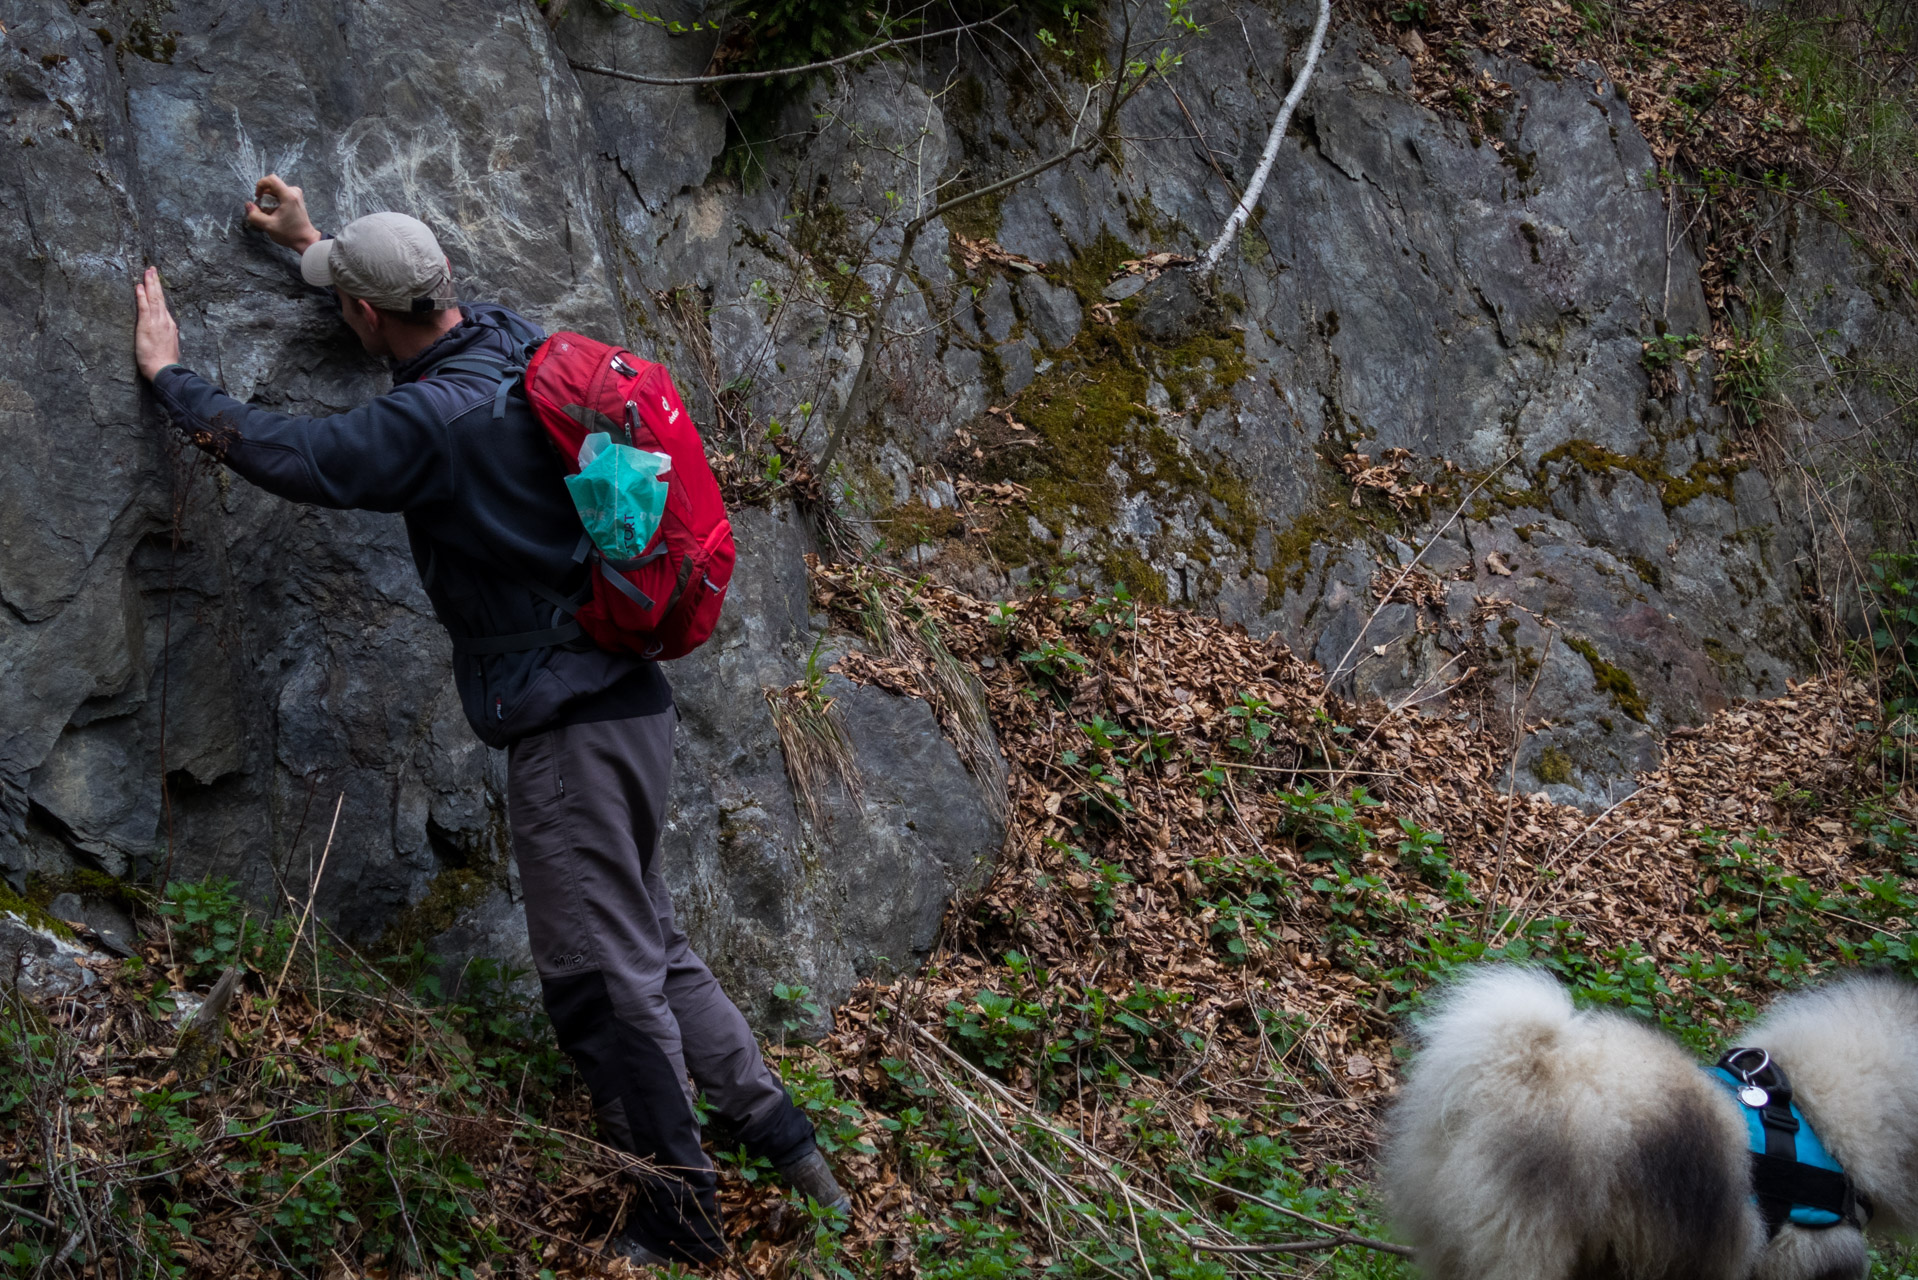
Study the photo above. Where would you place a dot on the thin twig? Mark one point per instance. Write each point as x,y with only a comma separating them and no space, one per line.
299,930
25,1212
736,77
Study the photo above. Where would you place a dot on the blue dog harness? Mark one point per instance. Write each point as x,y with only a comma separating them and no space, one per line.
1794,1179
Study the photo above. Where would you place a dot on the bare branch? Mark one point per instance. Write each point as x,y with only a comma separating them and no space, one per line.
875,330
736,77
1118,87
1340,1235
1233,224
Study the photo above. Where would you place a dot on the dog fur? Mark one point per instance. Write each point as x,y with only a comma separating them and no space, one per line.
1533,1141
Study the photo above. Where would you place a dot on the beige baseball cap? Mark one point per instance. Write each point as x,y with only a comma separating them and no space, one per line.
388,259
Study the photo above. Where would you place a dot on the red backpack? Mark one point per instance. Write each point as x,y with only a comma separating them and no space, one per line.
665,601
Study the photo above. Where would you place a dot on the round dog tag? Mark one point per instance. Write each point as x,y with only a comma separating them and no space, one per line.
1753,1096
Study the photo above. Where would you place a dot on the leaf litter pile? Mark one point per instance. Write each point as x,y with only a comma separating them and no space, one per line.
1156,1039
1222,888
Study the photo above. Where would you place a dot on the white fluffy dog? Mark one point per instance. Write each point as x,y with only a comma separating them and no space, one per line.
1536,1142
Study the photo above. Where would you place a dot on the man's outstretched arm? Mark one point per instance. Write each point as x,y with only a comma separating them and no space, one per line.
386,455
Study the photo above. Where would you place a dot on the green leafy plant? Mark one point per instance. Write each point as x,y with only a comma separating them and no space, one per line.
1114,612
1326,826
799,1009
1053,660
1253,717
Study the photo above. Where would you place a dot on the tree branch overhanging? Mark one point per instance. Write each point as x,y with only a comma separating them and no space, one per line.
739,77
1234,224
1125,83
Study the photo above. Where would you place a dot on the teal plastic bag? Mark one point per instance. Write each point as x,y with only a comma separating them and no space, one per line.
619,494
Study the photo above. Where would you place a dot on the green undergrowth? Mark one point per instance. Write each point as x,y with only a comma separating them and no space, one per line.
1773,929
1319,876
362,1109
358,1112
1848,69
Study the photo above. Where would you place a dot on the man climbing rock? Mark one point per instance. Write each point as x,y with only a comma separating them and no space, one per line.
588,733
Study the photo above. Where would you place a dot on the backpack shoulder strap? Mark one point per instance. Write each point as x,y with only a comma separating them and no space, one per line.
508,371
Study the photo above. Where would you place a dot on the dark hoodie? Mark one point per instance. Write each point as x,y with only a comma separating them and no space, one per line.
485,508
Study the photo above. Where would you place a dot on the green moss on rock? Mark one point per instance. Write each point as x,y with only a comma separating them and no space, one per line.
1091,265
1334,524
33,913
1123,564
1609,679
1553,766
1710,476
1097,442
914,522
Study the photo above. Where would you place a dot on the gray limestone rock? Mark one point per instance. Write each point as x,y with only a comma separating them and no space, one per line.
38,963
268,661
1052,311
1404,288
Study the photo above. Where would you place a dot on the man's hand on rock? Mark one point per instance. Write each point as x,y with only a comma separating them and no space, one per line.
280,211
156,339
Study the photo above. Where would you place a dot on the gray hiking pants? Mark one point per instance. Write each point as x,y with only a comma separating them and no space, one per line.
631,1003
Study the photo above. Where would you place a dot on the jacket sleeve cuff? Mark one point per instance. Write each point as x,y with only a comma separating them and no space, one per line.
166,381
169,383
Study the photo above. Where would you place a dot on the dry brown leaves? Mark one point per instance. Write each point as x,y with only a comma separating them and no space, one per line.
1152,266
1628,875
1391,476
1414,586
976,253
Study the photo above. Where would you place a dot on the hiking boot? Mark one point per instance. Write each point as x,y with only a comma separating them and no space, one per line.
811,1177
636,1251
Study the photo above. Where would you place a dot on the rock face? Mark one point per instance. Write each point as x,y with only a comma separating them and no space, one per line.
1515,322
1482,308
270,659
38,962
